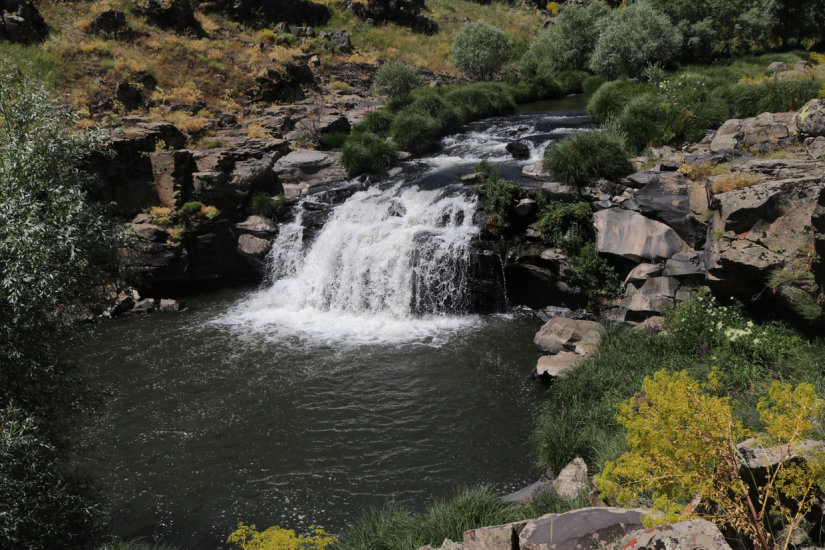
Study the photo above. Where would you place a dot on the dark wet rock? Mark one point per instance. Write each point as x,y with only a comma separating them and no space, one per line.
109,23
518,149
20,22
538,287
129,95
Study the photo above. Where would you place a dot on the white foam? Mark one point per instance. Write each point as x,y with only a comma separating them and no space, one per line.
388,266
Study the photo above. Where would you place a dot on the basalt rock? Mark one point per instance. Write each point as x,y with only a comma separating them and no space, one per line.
407,13
696,534
584,529
633,236
109,23
20,22
811,118
174,14
294,12
281,87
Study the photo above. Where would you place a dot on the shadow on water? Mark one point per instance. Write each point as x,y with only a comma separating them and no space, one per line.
253,407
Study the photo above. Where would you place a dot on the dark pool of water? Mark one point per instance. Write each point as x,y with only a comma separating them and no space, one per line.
208,425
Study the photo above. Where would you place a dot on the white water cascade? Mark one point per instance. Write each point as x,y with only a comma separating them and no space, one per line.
388,265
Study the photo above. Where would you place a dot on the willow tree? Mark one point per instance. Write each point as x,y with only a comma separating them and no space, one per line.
57,264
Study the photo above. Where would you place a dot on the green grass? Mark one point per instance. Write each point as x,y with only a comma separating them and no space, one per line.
587,156
366,152
135,544
264,205
578,417
393,527
37,62
334,141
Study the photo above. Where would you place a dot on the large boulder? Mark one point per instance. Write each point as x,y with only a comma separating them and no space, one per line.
498,537
633,236
20,22
406,13
109,23
560,334
300,171
174,14
286,11
584,529
651,296
172,170
535,171
811,118
764,132
666,198
696,534
553,366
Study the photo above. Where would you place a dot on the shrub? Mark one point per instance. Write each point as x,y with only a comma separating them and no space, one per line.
480,50
571,81
593,272
415,132
364,153
564,224
375,122
264,205
610,99
567,44
396,80
586,156
433,105
592,84
275,538
190,208
480,101
683,443
211,212
333,141
59,255
499,197
634,37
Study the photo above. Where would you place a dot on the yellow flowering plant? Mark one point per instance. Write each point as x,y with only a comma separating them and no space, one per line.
683,440
247,537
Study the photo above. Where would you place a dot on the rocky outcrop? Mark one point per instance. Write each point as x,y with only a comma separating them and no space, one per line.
284,86
173,14
301,171
258,11
635,237
696,534
560,334
20,22
584,529
766,132
110,23
407,13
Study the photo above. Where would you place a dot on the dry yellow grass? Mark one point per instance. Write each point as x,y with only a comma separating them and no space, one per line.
733,181
257,132
696,173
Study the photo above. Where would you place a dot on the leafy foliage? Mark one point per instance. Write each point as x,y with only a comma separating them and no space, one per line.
592,272
396,80
276,538
480,50
264,205
683,443
564,224
499,198
587,156
568,44
58,257
365,152
633,37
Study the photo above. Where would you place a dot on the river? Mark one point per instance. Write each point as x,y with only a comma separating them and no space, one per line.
356,374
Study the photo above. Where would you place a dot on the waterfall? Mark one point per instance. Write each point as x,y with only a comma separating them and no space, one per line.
392,263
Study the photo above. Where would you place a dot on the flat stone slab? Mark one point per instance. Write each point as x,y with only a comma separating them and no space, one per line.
585,529
697,534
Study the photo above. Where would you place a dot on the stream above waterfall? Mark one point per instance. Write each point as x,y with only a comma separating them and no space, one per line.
359,372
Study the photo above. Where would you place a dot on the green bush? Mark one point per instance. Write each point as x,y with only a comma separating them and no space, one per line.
190,208
396,80
375,122
640,120
264,205
415,133
588,156
481,101
592,84
571,81
481,50
565,225
634,37
364,153
611,97
567,44
333,141
59,257
499,198
433,105
593,273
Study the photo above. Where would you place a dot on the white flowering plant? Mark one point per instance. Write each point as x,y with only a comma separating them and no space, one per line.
726,335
